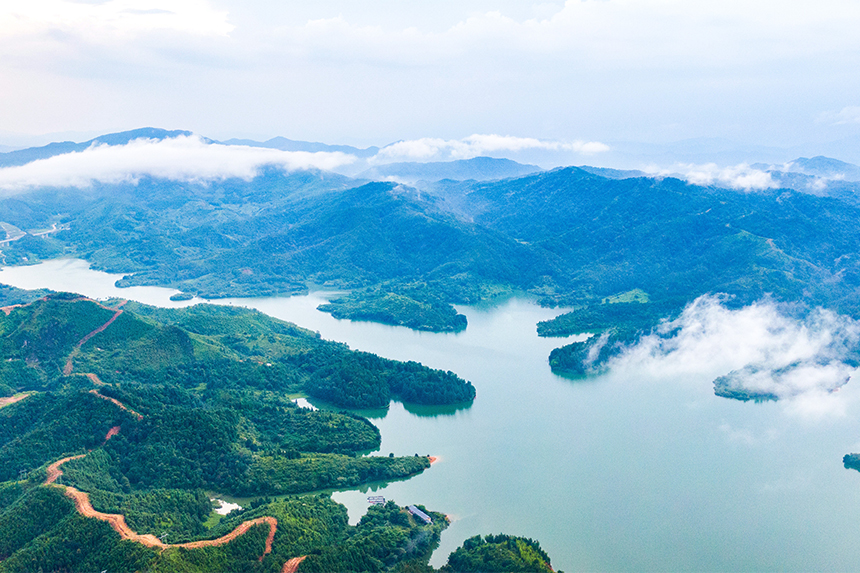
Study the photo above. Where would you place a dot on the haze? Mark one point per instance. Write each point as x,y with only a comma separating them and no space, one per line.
585,76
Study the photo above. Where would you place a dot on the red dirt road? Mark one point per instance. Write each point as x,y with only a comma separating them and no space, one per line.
8,309
67,369
117,521
54,471
12,400
95,379
292,565
111,433
138,415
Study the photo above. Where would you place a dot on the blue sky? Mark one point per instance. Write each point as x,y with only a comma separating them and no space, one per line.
364,72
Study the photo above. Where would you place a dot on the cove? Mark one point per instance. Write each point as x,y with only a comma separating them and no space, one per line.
622,472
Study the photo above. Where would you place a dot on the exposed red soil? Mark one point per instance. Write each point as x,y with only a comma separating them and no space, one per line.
67,369
292,565
12,400
433,459
8,309
138,415
11,307
95,379
111,433
117,521
54,471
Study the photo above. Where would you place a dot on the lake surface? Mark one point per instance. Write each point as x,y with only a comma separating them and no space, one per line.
623,472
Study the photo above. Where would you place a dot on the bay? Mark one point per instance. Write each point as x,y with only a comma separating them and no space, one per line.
624,472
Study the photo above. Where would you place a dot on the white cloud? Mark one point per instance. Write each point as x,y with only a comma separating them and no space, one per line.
115,18
372,72
180,159
740,176
847,115
480,144
760,348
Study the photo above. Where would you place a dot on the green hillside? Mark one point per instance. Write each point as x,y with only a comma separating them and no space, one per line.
206,348
568,237
161,406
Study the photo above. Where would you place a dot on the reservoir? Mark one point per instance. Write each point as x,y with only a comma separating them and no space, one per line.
628,471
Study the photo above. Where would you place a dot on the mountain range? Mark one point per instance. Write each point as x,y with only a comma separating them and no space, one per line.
569,236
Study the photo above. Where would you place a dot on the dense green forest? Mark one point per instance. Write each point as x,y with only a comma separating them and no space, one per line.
416,308
568,237
215,348
498,553
161,406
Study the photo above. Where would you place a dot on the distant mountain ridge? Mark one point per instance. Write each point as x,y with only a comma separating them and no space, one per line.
285,144
821,166
24,156
477,169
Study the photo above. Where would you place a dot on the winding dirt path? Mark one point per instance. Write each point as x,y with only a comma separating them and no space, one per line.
137,415
95,379
117,521
12,399
54,471
8,309
67,369
292,565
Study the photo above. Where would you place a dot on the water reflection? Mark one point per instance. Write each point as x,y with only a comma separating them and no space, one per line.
436,411
629,471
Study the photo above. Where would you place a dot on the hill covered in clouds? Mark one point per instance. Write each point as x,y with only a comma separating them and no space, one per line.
219,220
627,251
24,156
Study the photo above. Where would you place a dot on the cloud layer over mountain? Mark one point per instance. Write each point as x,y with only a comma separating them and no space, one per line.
184,158
480,144
740,177
765,347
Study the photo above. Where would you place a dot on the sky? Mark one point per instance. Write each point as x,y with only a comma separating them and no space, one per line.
584,75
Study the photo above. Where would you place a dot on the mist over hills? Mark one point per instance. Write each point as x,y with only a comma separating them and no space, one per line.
478,169
285,144
565,235
24,156
569,236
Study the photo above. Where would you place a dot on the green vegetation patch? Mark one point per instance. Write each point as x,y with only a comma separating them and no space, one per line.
45,427
417,312
387,538
309,472
635,295
619,315
498,553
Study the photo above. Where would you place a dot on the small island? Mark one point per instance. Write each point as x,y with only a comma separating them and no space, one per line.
416,312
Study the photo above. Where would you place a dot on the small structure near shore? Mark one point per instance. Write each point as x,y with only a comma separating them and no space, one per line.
420,514
376,500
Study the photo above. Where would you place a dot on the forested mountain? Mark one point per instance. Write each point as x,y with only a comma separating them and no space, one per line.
116,418
576,237
565,235
204,346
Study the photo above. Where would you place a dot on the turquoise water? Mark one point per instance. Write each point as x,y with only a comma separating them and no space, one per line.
631,471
